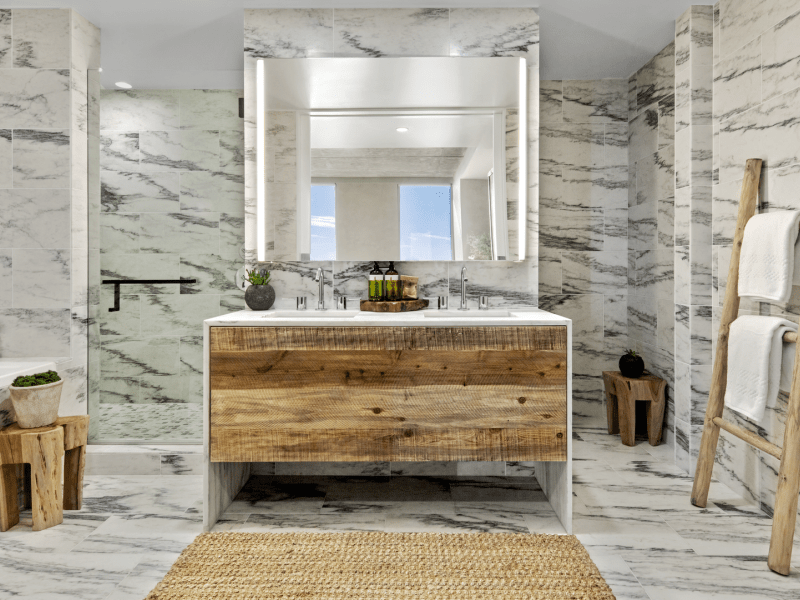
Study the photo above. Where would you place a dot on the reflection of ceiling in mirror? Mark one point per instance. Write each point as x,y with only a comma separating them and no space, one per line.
386,162
432,145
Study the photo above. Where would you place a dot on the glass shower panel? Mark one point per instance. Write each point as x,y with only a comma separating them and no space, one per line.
170,207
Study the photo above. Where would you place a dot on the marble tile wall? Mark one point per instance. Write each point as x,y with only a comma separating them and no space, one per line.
47,56
756,98
301,33
583,241
651,216
307,33
172,175
693,230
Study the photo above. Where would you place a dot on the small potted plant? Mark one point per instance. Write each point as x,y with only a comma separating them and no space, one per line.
36,398
631,365
259,295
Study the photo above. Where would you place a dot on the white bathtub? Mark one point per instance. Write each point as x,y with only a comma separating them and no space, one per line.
9,371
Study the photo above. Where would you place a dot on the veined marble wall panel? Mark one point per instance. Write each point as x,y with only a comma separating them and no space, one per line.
652,218
171,207
756,100
694,174
44,117
584,233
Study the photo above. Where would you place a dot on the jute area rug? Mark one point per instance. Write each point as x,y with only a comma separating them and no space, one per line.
383,566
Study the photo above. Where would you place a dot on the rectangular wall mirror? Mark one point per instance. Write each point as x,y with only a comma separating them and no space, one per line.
393,158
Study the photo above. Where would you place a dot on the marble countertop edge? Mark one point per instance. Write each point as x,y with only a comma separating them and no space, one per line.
248,318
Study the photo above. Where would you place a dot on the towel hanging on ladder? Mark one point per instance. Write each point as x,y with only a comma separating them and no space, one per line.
766,266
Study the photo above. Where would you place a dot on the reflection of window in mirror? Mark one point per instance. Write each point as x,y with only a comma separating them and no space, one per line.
425,225
323,222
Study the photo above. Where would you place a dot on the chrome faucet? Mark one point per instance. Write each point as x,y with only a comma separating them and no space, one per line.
321,278
463,289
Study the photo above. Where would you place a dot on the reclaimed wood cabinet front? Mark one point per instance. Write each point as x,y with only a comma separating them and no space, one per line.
388,394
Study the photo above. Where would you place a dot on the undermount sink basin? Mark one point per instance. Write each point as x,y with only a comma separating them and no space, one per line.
310,314
466,314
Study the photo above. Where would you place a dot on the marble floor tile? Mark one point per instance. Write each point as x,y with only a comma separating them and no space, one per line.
310,523
140,494
682,574
627,528
468,522
386,507
724,534
64,538
267,495
143,533
617,574
144,577
631,511
67,576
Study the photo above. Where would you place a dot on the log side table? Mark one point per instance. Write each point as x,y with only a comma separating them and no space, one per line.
621,396
43,448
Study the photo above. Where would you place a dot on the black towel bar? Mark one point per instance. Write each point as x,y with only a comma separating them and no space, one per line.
118,282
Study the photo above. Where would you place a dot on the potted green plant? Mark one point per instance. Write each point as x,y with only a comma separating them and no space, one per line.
35,399
259,295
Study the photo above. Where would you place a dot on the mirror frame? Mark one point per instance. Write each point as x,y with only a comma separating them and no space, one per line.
522,130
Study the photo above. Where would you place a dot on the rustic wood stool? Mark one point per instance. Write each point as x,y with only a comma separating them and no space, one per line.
43,448
621,396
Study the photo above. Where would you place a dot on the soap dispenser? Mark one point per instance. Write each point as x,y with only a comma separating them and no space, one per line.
376,284
392,283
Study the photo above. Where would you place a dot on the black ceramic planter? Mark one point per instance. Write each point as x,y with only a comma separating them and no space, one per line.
259,297
631,366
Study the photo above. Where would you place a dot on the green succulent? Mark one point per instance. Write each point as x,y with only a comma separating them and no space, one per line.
631,352
258,277
37,379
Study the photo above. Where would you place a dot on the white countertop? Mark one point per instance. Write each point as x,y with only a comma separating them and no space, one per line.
496,317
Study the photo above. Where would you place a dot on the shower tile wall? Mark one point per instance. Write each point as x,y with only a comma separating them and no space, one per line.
46,56
583,244
756,56
307,33
651,303
172,173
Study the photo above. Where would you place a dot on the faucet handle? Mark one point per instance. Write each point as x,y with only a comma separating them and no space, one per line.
302,304
443,302
341,303
483,303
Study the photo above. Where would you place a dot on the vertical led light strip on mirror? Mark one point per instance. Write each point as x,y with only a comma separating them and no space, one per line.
261,209
522,165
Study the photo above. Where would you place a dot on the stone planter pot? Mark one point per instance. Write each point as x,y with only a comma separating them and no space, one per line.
259,297
36,406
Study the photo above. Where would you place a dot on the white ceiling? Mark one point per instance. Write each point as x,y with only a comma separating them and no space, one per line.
198,43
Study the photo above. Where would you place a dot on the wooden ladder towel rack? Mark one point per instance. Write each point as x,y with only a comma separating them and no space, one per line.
785,515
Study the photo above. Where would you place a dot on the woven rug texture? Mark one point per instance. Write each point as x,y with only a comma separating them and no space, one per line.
378,566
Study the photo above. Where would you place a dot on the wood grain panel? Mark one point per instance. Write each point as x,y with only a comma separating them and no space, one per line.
392,369
248,339
433,407
242,444
388,393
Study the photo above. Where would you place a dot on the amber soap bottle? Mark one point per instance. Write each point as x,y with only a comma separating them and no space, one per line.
376,284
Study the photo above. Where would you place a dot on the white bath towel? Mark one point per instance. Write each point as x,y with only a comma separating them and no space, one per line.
755,354
766,264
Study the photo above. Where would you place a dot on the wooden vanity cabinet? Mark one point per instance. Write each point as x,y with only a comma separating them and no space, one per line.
282,394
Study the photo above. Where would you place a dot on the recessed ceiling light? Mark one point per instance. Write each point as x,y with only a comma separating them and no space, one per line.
100,69
402,129
124,85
